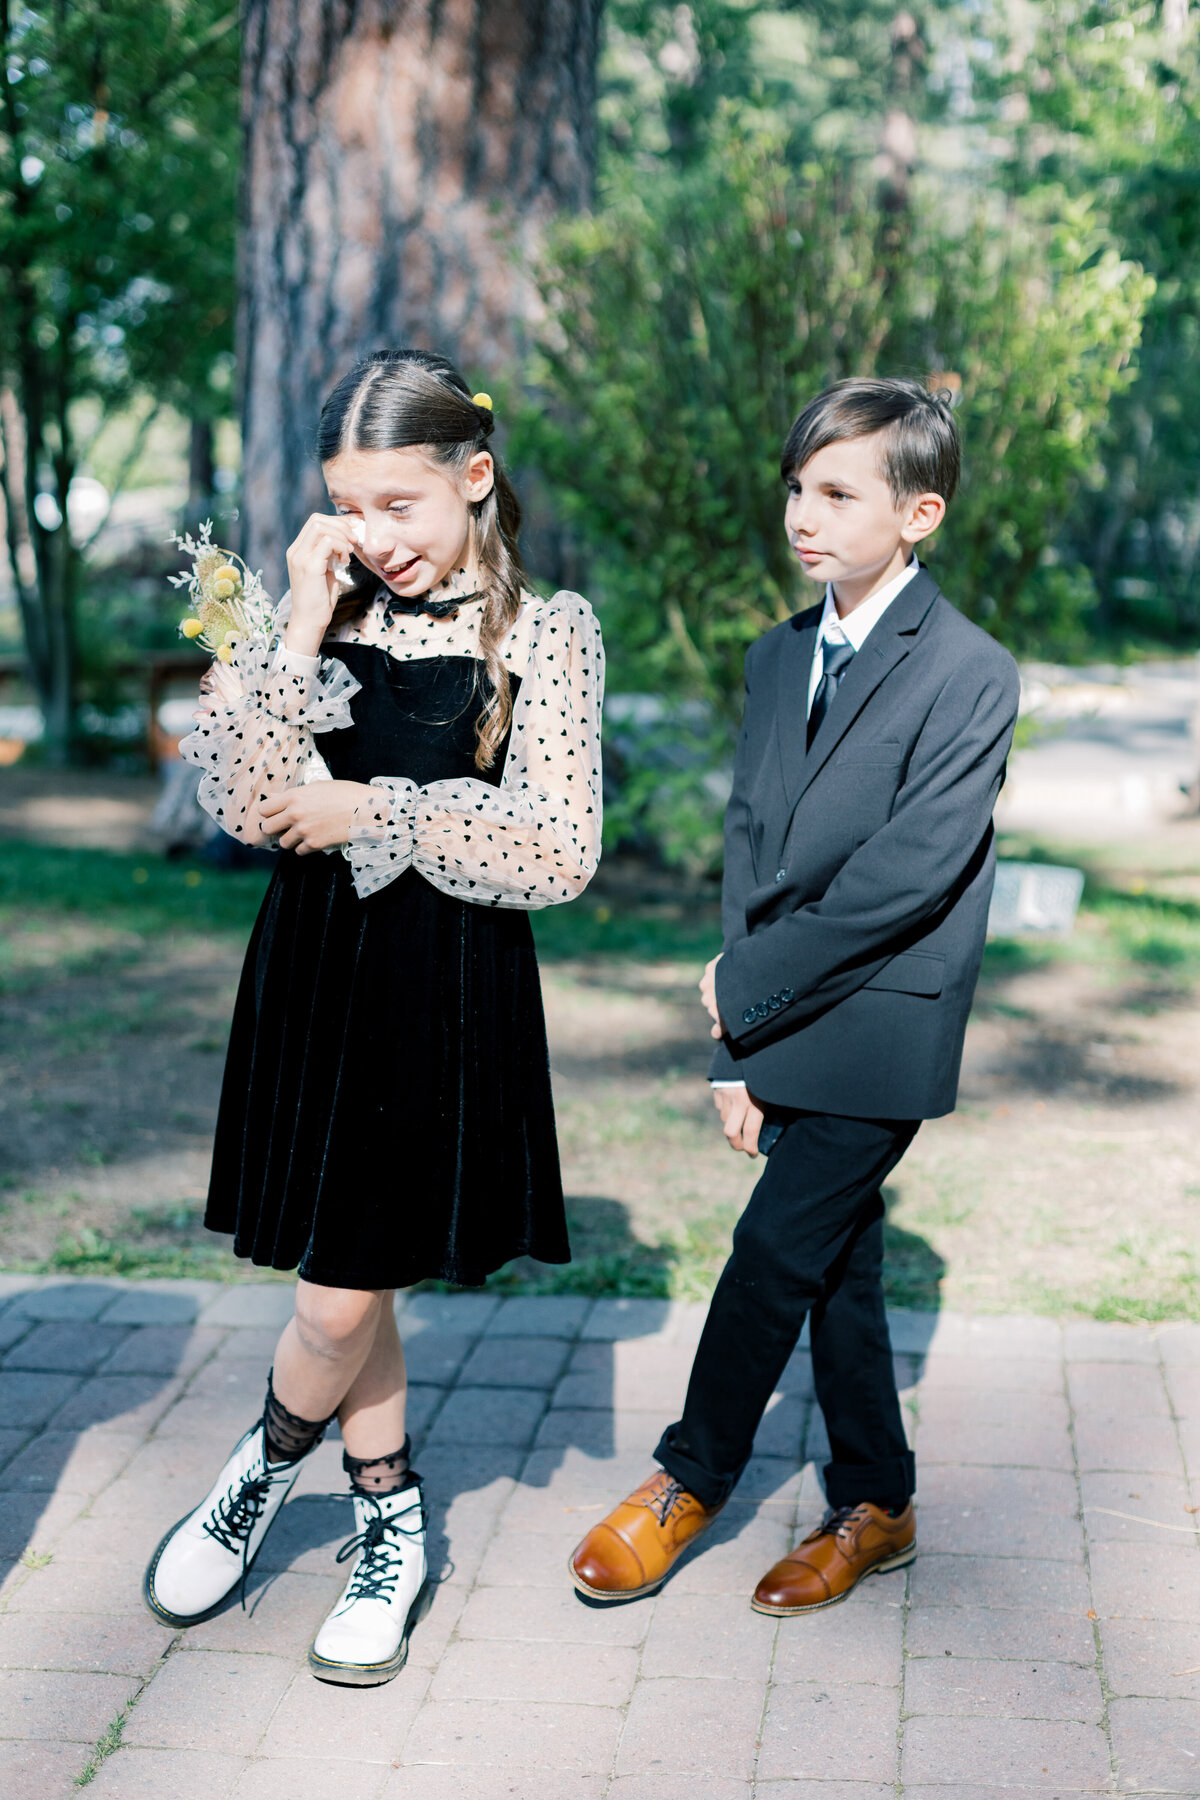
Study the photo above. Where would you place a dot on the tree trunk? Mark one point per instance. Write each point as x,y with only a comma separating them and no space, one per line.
19,537
898,151
201,470
403,158
58,562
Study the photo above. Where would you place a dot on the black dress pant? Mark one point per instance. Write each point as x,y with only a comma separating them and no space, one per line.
810,1242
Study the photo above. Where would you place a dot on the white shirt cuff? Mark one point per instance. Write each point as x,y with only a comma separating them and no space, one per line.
716,1084
294,663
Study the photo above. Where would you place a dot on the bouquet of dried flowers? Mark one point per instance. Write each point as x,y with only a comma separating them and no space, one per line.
228,601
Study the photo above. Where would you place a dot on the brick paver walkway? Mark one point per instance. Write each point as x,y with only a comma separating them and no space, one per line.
1041,1642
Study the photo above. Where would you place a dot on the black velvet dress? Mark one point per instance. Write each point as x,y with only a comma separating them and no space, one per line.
386,1115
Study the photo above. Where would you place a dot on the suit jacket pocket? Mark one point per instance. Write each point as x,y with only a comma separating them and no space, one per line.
913,972
884,754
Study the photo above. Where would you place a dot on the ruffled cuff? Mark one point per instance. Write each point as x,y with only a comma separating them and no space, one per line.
380,846
255,724
274,685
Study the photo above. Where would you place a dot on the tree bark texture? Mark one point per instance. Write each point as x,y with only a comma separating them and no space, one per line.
403,158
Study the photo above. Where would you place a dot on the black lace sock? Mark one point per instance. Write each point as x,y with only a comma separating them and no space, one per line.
289,1437
380,1474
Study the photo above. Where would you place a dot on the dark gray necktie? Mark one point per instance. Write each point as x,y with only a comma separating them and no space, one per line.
836,660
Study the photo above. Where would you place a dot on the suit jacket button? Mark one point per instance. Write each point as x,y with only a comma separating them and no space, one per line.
775,1003
787,996
749,1016
780,873
762,1010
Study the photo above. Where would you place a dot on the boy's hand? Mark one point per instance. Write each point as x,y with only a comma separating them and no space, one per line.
708,995
315,817
741,1117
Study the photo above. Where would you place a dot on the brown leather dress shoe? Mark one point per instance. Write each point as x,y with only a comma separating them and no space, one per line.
850,1543
629,1553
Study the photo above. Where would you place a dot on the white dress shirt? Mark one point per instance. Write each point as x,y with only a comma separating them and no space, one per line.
854,629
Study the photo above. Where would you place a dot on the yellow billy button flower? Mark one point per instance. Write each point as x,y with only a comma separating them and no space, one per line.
224,653
227,572
191,627
223,588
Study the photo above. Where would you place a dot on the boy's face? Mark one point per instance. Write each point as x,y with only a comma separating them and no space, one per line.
842,521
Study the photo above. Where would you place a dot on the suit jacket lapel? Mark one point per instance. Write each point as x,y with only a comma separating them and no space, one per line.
888,644
794,671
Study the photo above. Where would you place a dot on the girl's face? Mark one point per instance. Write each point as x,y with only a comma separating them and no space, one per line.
415,518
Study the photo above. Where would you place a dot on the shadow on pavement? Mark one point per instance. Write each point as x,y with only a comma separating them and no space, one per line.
531,1417
85,1370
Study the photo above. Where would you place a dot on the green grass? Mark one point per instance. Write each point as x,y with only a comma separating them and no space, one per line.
142,895
66,911
1004,958
1136,935
110,1740
593,926
1157,935
87,1251
136,898
154,1241
70,913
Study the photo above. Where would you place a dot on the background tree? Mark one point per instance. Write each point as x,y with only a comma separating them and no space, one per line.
1101,103
692,319
403,158
116,238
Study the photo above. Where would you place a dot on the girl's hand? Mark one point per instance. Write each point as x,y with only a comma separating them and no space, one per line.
325,540
218,686
315,817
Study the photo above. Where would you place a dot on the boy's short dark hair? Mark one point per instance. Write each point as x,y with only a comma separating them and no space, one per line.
921,450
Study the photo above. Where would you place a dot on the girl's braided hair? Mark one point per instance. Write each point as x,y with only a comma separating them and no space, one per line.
415,399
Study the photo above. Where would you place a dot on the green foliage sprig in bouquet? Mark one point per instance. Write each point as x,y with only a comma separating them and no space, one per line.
228,601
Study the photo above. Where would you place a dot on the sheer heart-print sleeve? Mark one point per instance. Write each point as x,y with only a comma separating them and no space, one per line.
534,840
255,727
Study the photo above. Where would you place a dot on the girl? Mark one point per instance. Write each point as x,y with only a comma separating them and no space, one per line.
386,1113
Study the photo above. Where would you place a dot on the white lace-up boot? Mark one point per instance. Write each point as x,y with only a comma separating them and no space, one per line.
364,1641
202,1559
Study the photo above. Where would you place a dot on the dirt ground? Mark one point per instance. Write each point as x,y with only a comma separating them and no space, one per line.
1069,1179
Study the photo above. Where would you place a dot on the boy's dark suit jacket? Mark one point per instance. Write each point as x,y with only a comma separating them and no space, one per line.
858,874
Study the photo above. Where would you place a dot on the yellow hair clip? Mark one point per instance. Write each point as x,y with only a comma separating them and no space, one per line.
482,400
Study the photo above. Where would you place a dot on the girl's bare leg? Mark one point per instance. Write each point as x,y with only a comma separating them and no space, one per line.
372,1414
326,1345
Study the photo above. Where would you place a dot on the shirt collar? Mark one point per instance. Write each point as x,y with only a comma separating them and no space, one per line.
857,626
441,602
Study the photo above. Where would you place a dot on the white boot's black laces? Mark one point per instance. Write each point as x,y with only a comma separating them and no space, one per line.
232,1520
381,1556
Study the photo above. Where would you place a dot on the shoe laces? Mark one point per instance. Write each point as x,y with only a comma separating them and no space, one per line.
837,1519
667,1499
381,1556
232,1520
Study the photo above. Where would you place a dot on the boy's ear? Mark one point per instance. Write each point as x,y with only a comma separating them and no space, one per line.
923,516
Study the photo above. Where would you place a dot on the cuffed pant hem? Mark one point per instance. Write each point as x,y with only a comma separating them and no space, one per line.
889,1484
709,1489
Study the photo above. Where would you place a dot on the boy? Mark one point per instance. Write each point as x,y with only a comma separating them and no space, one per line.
859,860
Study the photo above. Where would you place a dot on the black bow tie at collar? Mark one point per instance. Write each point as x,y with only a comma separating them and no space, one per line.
446,608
